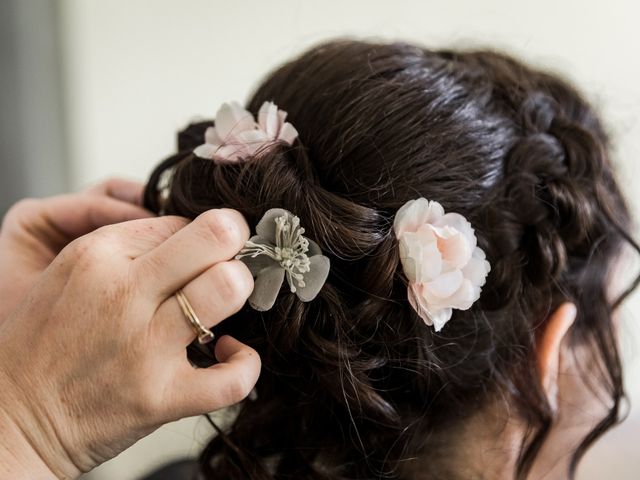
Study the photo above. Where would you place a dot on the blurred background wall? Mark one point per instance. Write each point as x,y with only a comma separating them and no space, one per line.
33,158
94,88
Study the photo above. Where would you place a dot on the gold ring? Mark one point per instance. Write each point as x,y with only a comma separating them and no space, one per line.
204,334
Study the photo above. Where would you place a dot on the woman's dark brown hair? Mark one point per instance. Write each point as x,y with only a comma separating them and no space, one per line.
354,384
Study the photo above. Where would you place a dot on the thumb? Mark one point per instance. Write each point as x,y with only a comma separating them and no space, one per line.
222,384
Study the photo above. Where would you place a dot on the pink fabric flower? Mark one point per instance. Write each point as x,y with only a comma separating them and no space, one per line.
237,135
441,260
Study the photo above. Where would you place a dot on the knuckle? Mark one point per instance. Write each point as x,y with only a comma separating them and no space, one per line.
78,248
24,205
20,210
110,182
234,282
103,244
152,267
225,228
105,185
93,249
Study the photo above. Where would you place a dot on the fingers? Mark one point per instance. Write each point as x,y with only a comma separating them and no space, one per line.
56,221
76,215
128,191
213,237
216,294
203,390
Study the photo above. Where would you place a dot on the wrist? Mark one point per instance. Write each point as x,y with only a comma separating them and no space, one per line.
25,451
18,458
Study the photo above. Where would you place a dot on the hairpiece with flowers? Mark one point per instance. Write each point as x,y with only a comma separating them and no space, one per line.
279,250
441,260
236,135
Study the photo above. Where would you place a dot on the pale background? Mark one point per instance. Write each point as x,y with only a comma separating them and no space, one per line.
133,72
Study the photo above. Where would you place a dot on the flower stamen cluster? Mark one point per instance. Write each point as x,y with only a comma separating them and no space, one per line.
290,250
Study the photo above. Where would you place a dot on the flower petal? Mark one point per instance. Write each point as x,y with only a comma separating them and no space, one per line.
414,295
269,120
314,279
477,269
445,285
460,224
464,297
410,267
406,219
211,136
440,318
437,316
414,214
455,248
314,248
251,136
206,150
232,119
266,227
420,256
288,133
266,288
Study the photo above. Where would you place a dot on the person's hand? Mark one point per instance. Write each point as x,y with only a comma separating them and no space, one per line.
35,230
94,358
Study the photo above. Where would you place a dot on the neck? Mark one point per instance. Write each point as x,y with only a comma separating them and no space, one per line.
487,446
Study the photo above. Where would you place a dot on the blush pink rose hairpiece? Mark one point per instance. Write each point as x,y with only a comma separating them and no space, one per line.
441,260
236,134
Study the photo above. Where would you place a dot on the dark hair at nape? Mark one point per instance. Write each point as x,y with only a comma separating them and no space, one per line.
353,383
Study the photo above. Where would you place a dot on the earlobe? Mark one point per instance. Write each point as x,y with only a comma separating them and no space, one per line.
549,349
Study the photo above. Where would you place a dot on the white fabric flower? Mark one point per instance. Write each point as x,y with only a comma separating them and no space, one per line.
441,260
236,134
279,250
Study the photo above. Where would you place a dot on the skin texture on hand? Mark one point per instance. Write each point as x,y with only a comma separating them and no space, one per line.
93,358
34,231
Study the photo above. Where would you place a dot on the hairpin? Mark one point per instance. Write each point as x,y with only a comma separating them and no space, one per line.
441,260
279,251
236,134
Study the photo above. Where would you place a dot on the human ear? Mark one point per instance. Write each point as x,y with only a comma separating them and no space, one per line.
549,349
